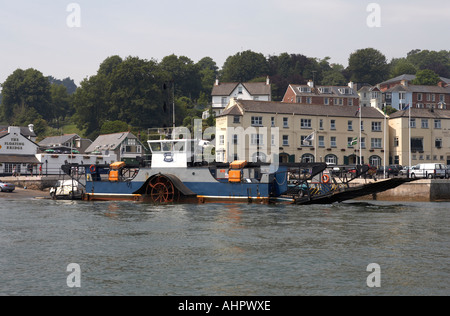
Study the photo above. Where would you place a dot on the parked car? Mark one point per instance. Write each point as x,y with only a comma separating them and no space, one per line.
390,170
428,170
404,171
66,189
6,187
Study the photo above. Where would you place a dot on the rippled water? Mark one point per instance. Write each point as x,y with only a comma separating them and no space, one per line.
126,248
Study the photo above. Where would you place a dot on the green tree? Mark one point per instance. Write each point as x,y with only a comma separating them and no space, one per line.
112,127
244,66
29,89
401,66
426,77
439,62
184,74
368,66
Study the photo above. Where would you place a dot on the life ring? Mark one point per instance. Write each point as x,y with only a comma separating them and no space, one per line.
326,178
92,168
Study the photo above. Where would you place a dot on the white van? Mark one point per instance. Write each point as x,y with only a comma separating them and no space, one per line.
428,170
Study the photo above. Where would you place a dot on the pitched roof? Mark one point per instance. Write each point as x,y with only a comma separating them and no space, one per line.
408,78
254,88
25,131
422,113
57,140
109,141
420,89
301,109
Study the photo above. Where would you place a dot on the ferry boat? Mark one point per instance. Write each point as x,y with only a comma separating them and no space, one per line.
178,172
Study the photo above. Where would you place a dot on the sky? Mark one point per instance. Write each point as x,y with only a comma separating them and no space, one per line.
36,34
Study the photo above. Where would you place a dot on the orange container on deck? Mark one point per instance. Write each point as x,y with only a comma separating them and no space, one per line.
235,176
238,164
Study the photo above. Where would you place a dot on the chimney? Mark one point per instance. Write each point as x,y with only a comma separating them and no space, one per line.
351,85
31,128
404,83
441,84
267,80
311,84
217,81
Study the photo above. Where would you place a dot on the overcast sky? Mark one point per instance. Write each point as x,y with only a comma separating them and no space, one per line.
35,34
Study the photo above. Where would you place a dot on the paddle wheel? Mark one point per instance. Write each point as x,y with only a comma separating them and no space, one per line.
161,190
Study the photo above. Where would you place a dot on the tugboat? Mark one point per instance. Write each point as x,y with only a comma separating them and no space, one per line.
176,174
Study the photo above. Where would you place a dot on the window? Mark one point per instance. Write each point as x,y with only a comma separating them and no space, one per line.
236,119
331,160
326,101
417,144
438,143
363,142
362,125
257,139
308,100
285,122
131,142
299,99
272,121
396,142
375,161
257,121
256,98
412,124
376,126
224,101
333,141
222,140
235,139
350,102
375,143
350,125
308,158
305,123
333,124
338,101
419,97
437,124
424,123
285,140
321,141
240,89
321,124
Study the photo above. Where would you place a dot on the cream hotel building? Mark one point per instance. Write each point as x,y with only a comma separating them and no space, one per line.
264,130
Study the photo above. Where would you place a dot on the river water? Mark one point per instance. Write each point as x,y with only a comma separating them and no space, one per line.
126,248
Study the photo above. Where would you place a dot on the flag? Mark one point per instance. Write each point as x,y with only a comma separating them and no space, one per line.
357,112
308,139
354,141
406,107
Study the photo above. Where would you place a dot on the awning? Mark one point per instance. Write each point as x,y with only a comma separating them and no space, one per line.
19,159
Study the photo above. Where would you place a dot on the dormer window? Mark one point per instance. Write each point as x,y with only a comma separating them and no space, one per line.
305,89
240,89
325,90
345,91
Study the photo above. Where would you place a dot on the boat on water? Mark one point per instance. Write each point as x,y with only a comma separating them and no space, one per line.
178,173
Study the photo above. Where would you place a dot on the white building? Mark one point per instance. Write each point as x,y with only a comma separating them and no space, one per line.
222,93
17,152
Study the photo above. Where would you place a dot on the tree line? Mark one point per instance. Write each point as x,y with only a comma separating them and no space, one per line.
136,94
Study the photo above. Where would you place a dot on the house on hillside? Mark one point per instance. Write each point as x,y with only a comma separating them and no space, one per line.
125,145
65,143
223,92
324,95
